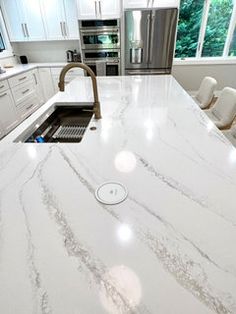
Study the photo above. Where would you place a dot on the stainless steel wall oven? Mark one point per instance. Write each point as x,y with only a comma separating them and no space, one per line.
100,43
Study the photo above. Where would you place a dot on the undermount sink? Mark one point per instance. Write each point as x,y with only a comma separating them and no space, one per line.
63,123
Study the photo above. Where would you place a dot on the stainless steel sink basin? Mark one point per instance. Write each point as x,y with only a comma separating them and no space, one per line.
63,123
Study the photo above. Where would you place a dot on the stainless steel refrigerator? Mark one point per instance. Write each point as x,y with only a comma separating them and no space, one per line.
150,40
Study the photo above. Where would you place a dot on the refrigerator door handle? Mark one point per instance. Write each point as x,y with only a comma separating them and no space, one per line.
152,36
148,35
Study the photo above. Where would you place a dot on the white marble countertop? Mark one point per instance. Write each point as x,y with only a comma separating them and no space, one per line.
21,68
169,248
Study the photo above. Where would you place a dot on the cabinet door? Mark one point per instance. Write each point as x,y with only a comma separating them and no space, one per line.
71,19
46,83
87,9
8,115
32,18
38,87
165,3
1,132
53,15
13,20
135,4
109,9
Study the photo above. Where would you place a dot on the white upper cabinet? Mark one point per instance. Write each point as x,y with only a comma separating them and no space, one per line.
109,9
132,4
60,18
31,13
13,20
71,19
98,9
53,18
23,19
165,3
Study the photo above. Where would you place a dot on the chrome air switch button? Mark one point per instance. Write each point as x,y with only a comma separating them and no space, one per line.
111,193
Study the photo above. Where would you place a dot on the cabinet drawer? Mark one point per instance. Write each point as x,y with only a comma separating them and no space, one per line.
23,91
28,107
3,85
20,78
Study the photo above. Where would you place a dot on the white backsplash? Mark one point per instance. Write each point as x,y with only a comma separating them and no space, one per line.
48,51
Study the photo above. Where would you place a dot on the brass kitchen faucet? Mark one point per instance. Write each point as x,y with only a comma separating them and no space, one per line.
61,84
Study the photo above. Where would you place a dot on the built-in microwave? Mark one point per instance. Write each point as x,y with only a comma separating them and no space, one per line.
100,40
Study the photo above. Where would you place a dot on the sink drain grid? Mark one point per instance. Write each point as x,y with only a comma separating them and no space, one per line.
69,132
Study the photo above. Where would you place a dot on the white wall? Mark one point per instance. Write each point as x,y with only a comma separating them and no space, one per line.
45,51
190,76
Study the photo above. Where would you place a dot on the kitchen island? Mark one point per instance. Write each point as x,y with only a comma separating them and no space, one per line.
169,248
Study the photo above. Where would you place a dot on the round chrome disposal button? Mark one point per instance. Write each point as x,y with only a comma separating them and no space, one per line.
111,193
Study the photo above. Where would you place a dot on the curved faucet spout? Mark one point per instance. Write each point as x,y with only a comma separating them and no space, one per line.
61,84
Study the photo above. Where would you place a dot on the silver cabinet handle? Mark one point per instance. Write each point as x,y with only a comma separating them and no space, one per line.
27,108
25,91
152,36
100,8
96,9
148,1
152,3
23,29
65,29
22,78
35,79
3,95
1,86
148,33
26,30
62,32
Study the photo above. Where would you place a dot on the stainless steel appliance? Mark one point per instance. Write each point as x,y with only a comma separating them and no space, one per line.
104,62
150,40
100,43
102,34
69,56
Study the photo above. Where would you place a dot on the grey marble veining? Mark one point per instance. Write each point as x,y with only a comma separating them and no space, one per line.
169,248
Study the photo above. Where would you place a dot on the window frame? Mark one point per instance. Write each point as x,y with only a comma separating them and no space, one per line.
8,51
207,60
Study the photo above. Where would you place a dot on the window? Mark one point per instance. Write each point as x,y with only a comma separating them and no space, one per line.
206,28
232,48
2,45
5,47
190,18
217,27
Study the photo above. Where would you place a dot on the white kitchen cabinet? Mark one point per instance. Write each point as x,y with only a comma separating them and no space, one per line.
13,20
165,3
38,87
132,4
23,19
60,19
71,75
46,83
71,19
8,114
2,133
98,9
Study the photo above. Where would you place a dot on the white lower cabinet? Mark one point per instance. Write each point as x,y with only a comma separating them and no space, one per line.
71,75
20,96
28,106
8,114
46,83
1,132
